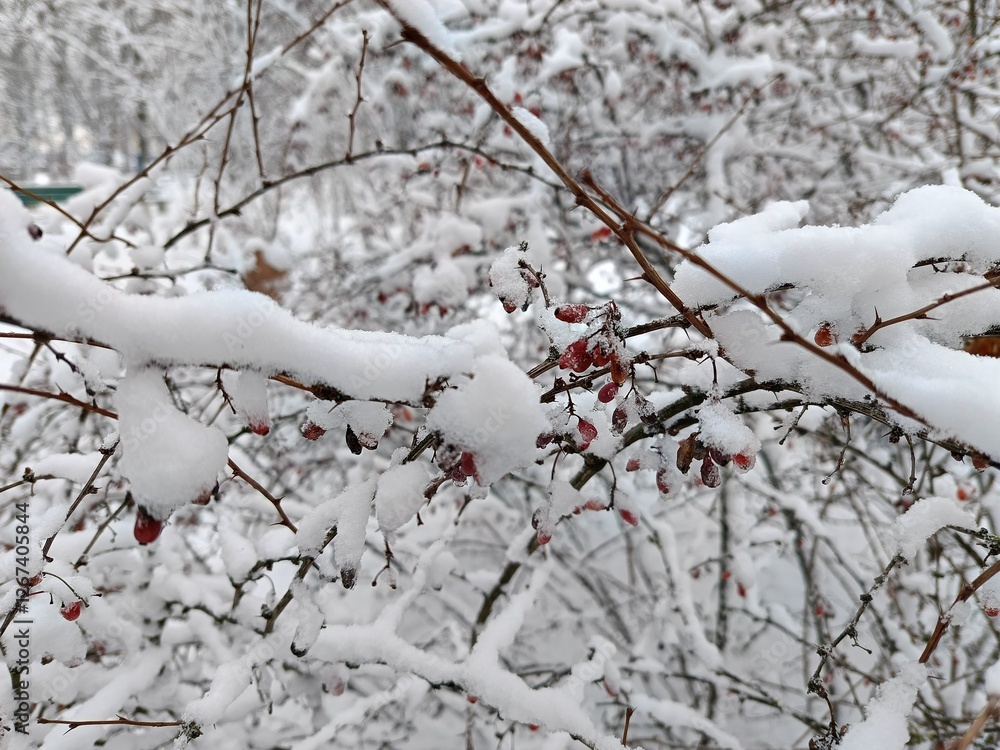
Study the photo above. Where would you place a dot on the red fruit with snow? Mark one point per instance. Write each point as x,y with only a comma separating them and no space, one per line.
629,516
607,393
576,357
572,313
824,336
468,466
312,431
663,481
587,432
710,475
595,505
744,462
71,611
634,464
147,528
619,420
992,611
260,428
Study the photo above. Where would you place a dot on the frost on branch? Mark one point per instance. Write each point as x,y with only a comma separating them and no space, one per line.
169,458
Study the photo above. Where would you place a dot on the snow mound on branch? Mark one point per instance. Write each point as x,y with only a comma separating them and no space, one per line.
495,414
507,279
41,289
420,16
884,726
848,278
348,512
723,430
400,494
169,458
924,519
533,124
248,392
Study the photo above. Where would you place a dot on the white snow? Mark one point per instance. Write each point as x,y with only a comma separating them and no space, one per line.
400,494
532,124
885,725
495,414
169,458
245,330
925,518
421,16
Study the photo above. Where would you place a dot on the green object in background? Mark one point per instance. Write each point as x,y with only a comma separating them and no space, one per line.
54,193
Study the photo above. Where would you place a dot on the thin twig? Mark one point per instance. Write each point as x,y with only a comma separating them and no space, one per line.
352,117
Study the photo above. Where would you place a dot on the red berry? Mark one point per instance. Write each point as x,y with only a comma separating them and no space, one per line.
607,393
260,428
710,476
619,371
663,481
819,611
601,357
576,357
633,465
147,528
619,420
312,431
572,313
992,611
544,536
726,575
744,461
628,516
71,611
472,699
963,492
587,433
601,234
741,589
980,463
468,466
824,336
595,505
544,439
508,306
533,727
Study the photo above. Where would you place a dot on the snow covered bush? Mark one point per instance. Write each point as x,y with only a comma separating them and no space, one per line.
462,372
